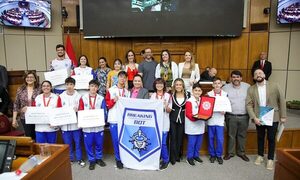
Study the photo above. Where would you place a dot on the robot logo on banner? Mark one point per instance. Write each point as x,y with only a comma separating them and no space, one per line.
139,134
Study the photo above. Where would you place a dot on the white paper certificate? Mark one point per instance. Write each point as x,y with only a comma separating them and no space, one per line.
266,115
56,77
222,104
62,116
82,81
37,115
91,118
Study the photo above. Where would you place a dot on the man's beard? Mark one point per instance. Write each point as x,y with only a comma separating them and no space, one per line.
61,55
261,79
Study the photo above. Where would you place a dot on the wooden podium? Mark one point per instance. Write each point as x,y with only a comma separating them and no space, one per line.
57,166
287,164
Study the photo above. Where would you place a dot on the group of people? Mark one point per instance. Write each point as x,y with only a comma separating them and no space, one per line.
179,89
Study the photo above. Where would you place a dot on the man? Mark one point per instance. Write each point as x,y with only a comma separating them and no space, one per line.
263,64
147,70
61,62
4,101
237,121
208,75
260,95
3,77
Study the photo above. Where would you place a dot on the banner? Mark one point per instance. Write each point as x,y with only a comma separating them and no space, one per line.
140,126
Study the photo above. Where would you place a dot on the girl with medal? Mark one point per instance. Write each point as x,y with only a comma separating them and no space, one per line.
160,93
44,132
194,128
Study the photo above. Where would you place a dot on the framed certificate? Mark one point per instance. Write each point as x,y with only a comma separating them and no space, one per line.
206,108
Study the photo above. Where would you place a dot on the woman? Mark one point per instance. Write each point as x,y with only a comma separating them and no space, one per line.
160,93
166,69
83,69
112,76
101,74
24,98
138,91
189,71
44,132
177,118
131,67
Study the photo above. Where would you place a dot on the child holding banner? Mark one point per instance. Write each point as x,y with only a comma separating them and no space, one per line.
194,128
44,132
70,132
93,136
215,126
112,96
160,93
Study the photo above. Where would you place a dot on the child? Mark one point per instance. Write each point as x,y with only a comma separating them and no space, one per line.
93,136
215,126
70,132
111,98
112,76
44,132
160,93
194,128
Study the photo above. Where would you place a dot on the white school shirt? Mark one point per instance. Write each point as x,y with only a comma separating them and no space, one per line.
98,105
39,102
61,64
83,71
70,101
113,92
166,116
217,118
193,127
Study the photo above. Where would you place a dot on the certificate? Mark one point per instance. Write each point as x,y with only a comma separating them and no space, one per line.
37,115
280,131
62,116
222,104
91,118
266,115
56,77
82,81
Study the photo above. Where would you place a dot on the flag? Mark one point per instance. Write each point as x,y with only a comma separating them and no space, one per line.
140,126
70,51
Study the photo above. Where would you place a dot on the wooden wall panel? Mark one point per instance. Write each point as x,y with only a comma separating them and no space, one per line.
257,11
204,52
122,46
71,8
296,140
239,52
221,53
258,42
89,48
223,74
107,49
285,140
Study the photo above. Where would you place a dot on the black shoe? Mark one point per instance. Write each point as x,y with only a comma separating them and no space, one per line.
178,160
212,159
81,163
244,157
173,162
100,162
163,166
191,162
92,166
119,165
228,156
199,160
220,160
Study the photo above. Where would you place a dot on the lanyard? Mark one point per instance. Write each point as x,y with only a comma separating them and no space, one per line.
92,106
123,92
44,100
218,93
162,97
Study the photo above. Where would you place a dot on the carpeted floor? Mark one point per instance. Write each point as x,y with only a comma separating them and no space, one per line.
233,169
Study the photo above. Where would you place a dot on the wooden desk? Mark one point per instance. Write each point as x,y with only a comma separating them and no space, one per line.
287,164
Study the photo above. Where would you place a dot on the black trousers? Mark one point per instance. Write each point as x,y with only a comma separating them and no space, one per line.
29,129
271,134
176,140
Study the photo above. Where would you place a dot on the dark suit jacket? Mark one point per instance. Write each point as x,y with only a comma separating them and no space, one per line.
143,94
4,100
205,77
3,77
275,99
267,68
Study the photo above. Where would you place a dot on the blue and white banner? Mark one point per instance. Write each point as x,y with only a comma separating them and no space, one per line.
140,132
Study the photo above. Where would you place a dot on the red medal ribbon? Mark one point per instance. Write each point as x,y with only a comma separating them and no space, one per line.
44,100
92,105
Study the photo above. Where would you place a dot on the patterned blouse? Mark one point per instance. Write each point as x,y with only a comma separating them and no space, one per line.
102,78
22,99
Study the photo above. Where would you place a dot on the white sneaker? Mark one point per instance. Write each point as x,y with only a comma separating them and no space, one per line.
259,160
270,164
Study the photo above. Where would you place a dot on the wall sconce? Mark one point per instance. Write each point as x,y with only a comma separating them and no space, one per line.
267,11
64,13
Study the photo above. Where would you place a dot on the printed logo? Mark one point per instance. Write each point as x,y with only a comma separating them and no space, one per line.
206,105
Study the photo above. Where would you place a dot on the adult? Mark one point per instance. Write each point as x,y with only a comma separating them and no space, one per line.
208,75
177,119
4,100
131,67
101,75
147,70
237,121
24,98
138,91
263,64
189,71
3,77
265,94
166,69
61,62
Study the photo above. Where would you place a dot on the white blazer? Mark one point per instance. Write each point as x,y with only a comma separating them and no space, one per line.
174,71
195,75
